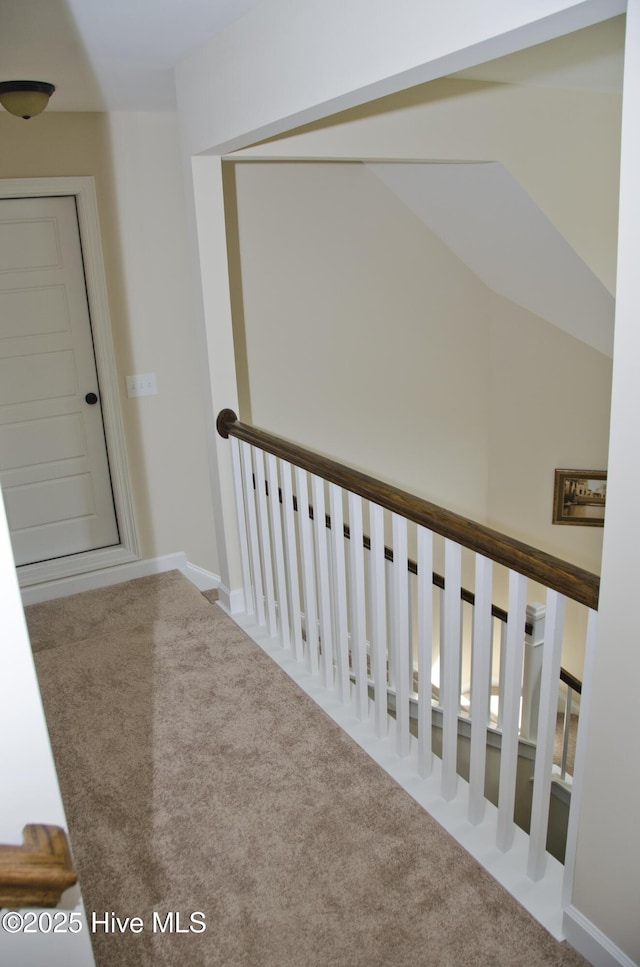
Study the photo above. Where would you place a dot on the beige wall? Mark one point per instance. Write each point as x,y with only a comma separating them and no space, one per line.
562,146
366,338
549,409
136,165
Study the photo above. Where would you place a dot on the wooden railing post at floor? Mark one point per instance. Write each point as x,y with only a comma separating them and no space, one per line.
37,873
532,671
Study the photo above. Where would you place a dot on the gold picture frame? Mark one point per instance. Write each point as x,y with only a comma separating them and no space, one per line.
579,497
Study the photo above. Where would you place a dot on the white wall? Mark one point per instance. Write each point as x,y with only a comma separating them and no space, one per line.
154,332
608,860
136,164
30,792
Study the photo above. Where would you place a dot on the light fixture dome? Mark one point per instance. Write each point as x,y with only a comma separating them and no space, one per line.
25,98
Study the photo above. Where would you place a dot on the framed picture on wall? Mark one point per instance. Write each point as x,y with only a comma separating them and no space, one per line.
579,497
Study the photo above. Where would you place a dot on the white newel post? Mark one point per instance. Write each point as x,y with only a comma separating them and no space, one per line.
532,670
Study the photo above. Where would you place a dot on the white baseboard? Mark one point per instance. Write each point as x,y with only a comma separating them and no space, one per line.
591,942
61,588
203,580
232,601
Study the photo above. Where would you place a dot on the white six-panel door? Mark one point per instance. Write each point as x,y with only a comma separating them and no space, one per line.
53,460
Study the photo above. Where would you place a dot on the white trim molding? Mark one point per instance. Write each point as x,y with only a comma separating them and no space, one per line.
203,580
75,584
232,601
592,943
83,189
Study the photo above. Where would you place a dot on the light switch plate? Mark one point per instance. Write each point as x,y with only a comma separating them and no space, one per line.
143,384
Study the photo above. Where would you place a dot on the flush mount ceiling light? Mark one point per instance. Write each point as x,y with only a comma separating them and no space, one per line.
25,98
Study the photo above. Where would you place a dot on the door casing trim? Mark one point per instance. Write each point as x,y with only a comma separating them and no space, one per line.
83,188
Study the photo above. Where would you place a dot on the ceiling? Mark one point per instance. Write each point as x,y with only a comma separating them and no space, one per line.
107,55
118,55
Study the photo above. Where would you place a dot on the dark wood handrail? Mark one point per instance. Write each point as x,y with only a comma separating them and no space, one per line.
571,681
37,873
552,572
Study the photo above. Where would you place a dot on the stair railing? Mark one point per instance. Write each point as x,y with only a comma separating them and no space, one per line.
356,626
37,873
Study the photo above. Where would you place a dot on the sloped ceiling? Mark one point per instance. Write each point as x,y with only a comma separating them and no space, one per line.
490,222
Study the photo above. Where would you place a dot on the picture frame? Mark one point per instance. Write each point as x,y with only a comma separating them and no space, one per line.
579,497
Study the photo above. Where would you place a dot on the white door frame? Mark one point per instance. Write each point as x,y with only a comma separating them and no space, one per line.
85,194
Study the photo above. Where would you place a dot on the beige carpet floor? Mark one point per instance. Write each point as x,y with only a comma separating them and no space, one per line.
197,777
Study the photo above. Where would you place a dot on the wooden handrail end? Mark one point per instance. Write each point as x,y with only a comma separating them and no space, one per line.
225,418
37,873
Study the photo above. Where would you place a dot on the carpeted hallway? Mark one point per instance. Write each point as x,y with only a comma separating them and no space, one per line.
197,777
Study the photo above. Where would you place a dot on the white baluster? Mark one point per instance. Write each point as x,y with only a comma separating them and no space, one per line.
291,546
378,618
425,649
265,541
566,731
308,571
503,671
440,596
450,668
579,759
546,734
533,651
340,628
480,686
242,527
511,715
254,542
391,623
358,614
324,587
278,549
401,636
